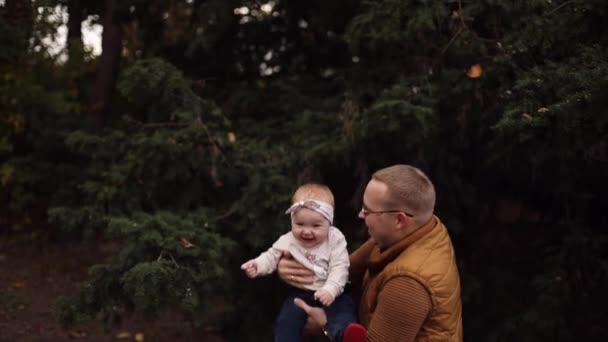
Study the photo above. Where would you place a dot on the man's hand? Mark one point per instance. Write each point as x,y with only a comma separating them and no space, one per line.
317,319
324,297
294,273
250,268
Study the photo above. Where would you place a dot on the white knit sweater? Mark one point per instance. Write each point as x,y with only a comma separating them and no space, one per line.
329,260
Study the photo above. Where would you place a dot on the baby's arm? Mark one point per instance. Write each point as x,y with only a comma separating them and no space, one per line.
250,268
267,262
337,270
324,297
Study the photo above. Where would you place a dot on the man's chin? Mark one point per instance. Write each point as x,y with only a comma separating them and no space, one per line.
380,245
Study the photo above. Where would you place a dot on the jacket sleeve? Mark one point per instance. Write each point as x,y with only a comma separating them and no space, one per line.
403,306
337,273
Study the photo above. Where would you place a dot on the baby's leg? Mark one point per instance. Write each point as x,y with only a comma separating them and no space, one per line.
291,320
340,313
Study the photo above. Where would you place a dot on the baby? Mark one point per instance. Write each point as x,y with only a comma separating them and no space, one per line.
319,246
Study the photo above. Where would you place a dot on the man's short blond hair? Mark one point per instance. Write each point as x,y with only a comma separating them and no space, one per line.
314,191
408,189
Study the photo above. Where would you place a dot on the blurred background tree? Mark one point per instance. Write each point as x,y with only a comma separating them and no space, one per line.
185,138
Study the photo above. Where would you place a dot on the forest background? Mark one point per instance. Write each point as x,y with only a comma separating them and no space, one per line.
184,139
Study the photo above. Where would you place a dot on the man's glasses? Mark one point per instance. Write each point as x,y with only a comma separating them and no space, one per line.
367,212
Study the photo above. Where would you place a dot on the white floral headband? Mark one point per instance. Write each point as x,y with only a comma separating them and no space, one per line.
325,209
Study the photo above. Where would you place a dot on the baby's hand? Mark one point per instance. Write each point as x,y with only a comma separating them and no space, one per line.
324,297
250,268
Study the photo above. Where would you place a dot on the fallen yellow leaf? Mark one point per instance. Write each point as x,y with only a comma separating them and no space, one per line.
185,243
475,71
6,174
542,110
123,335
77,334
232,137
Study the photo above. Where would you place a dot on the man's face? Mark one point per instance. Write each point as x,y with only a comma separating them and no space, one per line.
309,227
381,227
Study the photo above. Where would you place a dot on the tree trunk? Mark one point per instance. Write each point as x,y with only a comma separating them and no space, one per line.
19,18
107,67
76,16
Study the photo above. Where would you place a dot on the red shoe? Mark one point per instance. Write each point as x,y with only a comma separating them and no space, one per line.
354,333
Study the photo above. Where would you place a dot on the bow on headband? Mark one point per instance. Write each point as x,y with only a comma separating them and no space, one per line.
323,208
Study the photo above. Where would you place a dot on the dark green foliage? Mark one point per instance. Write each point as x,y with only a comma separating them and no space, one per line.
329,92
34,118
134,174
157,91
167,261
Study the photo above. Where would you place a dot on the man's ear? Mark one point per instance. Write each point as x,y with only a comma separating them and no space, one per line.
402,220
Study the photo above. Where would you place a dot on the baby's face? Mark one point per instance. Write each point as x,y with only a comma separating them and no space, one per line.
309,227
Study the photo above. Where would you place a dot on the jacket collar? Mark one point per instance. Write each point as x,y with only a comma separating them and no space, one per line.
380,258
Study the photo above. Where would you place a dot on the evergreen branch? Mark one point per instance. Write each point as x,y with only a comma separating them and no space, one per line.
462,27
559,7
452,40
211,140
160,258
165,124
184,124
460,14
227,214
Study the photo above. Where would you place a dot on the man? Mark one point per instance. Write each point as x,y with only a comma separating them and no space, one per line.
405,276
